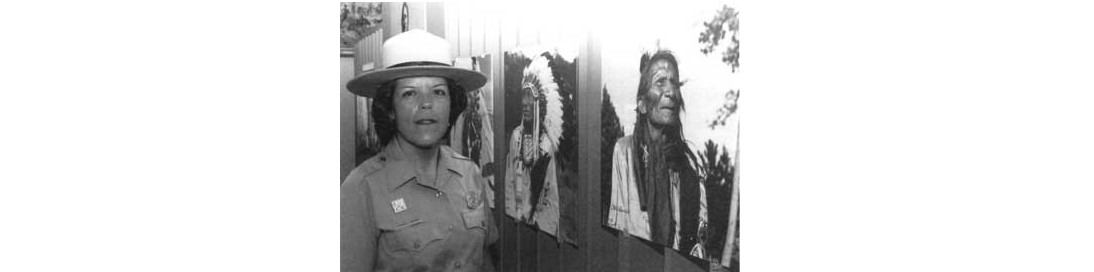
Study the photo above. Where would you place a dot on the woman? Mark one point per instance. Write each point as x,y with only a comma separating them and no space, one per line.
416,205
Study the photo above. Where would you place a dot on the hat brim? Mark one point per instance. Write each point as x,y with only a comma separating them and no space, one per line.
366,84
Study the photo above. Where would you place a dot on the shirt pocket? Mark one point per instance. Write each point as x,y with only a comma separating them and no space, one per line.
475,218
413,237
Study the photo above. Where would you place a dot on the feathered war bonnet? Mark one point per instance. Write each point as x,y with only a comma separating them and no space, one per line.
539,78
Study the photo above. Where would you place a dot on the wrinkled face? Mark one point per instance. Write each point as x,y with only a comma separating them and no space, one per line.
422,106
661,101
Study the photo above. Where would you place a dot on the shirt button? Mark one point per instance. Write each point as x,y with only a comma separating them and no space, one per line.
449,227
439,194
457,264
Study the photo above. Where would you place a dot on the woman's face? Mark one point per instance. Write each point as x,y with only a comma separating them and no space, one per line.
422,106
661,101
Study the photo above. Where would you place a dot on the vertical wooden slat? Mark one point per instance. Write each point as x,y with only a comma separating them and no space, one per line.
361,50
417,16
529,252
391,14
465,30
734,207
435,19
450,27
547,250
347,119
510,232
510,31
603,246
453,23
477,31
491,37
514,230
492,43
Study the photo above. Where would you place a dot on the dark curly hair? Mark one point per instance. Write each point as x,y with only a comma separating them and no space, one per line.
383,109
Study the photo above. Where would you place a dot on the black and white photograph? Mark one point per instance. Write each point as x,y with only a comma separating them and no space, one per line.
529,136
670,127
496,99
541,125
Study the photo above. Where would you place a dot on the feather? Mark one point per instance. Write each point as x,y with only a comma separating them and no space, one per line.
551,130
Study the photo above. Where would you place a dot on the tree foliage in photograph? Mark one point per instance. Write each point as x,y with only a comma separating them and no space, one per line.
716,172
610,132
565,73
711,38
728,108
715,33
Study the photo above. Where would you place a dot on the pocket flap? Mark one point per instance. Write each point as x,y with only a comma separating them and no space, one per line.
414,236
475,218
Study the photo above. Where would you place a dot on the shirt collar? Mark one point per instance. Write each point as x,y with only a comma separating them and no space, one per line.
400,171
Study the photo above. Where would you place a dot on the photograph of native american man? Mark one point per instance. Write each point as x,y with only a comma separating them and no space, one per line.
541,163
669,131
651,169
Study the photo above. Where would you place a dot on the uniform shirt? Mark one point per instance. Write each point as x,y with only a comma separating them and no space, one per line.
393,221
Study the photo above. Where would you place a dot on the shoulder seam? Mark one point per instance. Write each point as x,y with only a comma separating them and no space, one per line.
369,167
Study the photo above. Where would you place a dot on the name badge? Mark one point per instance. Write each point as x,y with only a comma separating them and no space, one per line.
398,205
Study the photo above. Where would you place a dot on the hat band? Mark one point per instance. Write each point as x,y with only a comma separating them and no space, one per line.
418,63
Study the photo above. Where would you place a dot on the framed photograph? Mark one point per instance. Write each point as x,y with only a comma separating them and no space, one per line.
541,132
669,127
358,19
